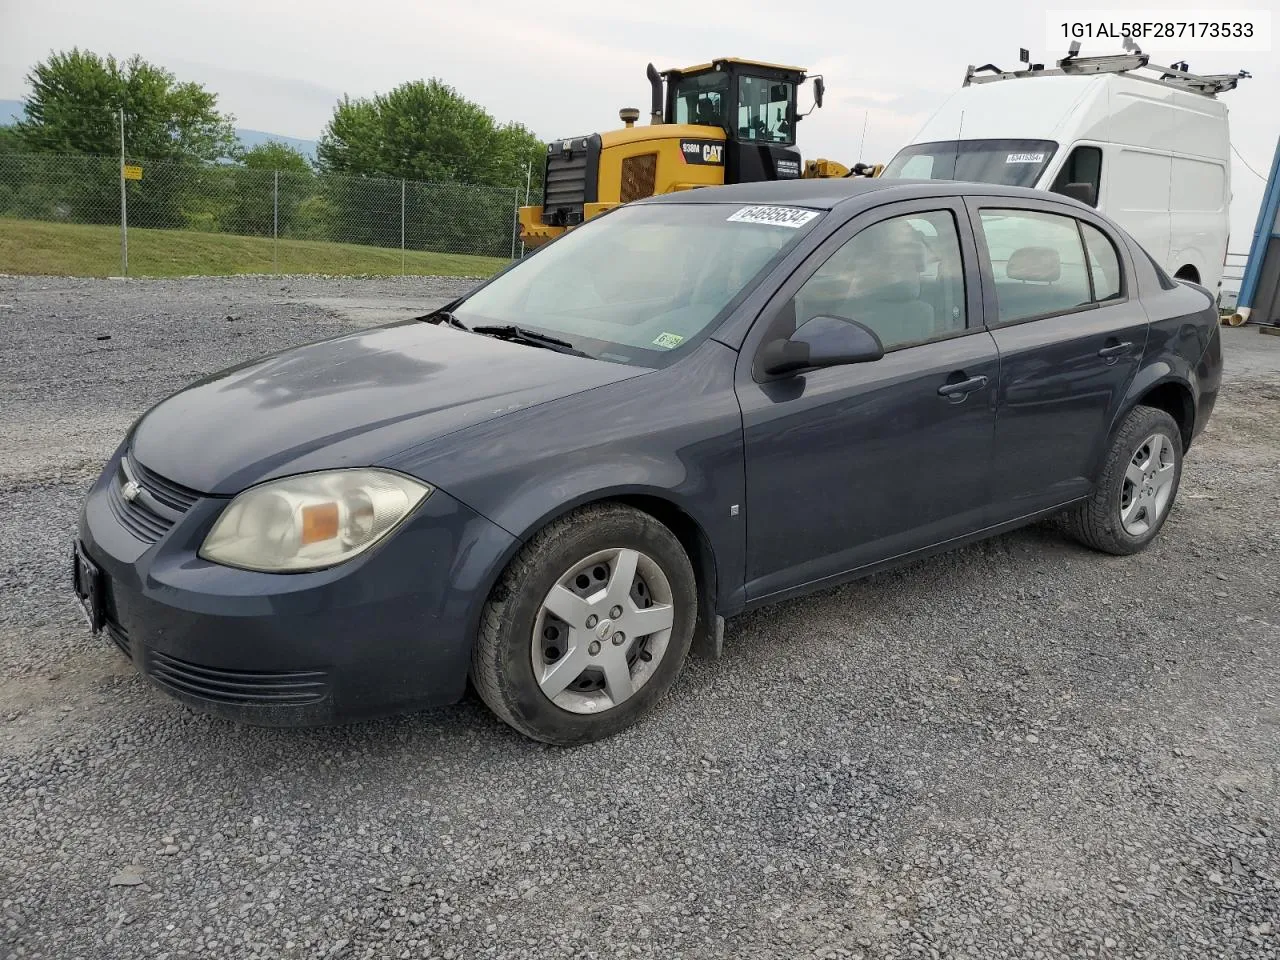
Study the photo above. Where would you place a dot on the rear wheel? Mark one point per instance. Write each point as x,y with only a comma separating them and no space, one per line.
588,626
1137,487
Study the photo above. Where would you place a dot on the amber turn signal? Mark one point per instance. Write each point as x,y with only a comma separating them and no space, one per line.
319,522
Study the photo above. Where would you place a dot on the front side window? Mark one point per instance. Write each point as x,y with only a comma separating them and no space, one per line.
644,281
1038,262
701,99
903,278
764,110
1013,163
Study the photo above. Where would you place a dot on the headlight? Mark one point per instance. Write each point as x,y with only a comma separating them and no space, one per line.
312,520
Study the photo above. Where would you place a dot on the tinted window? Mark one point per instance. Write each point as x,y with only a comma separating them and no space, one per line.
1014,163
1104,263
1038,262
1084,165
903,278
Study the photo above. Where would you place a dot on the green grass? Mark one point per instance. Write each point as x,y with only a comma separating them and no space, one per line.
77,250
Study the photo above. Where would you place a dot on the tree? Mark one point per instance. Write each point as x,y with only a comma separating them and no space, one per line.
10,141
274,155
270,184
76,98
473,169
426,130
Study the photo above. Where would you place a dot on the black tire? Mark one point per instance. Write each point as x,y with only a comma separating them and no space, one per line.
501,663
1096,522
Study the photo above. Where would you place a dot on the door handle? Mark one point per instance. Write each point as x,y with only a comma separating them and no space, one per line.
958,391
1114,351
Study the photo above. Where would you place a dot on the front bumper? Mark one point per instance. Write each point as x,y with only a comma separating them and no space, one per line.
390,630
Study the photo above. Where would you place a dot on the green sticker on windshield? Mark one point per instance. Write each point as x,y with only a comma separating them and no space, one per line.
668,341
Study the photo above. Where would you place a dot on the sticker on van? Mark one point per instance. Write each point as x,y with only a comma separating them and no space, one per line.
1025,158
777,216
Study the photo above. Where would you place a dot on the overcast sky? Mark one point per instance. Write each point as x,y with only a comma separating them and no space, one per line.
564,67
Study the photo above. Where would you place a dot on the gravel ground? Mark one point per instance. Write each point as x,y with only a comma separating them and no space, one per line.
1021,749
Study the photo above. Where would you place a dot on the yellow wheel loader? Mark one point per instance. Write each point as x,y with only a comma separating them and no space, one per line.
727,121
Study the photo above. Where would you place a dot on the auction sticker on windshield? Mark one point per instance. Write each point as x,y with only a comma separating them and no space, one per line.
792,217
1025,158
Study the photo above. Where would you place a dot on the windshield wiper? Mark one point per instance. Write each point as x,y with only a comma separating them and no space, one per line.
509,331
444,316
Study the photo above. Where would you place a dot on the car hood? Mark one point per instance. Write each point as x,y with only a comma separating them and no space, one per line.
351,401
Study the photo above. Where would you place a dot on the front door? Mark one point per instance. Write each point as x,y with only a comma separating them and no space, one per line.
851,465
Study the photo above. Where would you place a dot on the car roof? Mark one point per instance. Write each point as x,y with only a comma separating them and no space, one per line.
827,193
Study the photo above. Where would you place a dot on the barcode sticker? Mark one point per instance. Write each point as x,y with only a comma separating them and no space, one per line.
792,217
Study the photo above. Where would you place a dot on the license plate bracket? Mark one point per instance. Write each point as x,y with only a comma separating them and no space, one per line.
86,580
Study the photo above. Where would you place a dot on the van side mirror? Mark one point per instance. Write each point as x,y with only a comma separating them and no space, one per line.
821,342
1084,192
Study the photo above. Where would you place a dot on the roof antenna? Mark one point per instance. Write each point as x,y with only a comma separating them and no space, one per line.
1073,50
956,163
863,142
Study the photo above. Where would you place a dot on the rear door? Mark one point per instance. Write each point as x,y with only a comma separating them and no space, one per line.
851,465
1070,334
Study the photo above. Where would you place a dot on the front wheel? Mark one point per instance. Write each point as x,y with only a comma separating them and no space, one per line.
587,627
1137,487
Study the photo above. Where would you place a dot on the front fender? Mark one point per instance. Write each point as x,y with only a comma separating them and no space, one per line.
674,435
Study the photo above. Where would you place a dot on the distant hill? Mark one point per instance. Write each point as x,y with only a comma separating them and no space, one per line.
251,138
11,112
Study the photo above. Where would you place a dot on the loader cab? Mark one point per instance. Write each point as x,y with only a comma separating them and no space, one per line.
754,104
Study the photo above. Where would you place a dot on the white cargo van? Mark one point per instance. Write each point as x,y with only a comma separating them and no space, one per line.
1151,153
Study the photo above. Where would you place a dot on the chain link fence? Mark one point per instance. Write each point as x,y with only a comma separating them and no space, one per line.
271,221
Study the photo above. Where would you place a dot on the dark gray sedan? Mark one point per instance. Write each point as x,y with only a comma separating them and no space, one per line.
686,408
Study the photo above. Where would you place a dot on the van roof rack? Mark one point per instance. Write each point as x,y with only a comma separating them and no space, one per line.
1177,75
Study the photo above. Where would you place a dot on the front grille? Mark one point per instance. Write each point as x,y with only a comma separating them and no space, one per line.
166,491
570,179
158,505
285,687
639,174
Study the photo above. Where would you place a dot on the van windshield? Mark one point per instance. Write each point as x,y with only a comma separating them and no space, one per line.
643,282
1012,163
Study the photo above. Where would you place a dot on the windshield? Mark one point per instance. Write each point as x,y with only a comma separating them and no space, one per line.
1013,163
701,99
643,282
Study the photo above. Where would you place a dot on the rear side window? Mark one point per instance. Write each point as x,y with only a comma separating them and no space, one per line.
1166,282
1038,261
1104,263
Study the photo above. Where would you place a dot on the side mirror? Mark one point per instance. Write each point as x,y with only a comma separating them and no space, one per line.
1084,192
821,342
819,88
